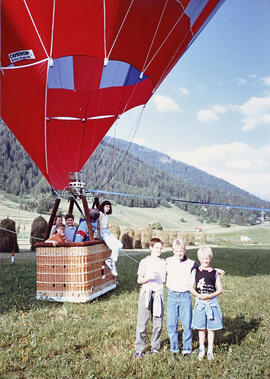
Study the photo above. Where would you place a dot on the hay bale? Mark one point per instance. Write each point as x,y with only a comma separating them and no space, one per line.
156,233
188,238
130,232
172,236
164,236
137,244
203,240
127,241
8,240
146,235
115,229
38,230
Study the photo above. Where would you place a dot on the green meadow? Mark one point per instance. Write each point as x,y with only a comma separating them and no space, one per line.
40,339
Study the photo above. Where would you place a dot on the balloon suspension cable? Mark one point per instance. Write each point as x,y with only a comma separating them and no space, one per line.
112,158
12,232
175,199
127,150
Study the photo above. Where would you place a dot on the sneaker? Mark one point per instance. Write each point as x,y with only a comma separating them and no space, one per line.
201,354
109,263
113,269
114,272
138,355
186,353
210,356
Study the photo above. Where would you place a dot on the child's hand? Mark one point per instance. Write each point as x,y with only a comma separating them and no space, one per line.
204,296
151,276
220,271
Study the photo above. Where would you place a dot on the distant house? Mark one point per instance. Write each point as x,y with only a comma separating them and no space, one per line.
245,239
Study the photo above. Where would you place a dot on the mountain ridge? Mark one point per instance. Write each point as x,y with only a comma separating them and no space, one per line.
167,164
138,170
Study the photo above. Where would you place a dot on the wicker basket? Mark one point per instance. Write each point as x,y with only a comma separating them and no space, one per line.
74,272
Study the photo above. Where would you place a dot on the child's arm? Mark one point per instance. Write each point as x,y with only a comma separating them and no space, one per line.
146,277
191,285
51,241
99,226
220,271
219,290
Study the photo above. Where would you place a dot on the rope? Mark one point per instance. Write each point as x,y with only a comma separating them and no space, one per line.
129,256
161,45
126,152
153,39
182,200
121,26
11,231
112,158
35,27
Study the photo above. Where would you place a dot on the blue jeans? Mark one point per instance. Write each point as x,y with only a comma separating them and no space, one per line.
179,306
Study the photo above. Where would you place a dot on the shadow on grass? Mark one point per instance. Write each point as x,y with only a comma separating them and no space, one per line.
234,332
236,329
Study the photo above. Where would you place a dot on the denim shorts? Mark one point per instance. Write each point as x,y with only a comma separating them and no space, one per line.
202,320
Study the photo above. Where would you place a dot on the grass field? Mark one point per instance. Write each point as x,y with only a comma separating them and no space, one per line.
95,340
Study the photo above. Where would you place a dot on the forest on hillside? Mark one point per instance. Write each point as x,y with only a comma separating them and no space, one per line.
115,169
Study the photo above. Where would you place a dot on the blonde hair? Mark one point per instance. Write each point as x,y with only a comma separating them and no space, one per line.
59,226
205,250
178,242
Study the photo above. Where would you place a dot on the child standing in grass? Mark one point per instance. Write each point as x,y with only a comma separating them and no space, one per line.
179,304
206,313
152,275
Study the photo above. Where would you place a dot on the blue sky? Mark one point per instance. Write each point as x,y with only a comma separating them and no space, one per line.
213,109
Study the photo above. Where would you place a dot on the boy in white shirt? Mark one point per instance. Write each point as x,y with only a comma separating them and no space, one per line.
179,304
152,275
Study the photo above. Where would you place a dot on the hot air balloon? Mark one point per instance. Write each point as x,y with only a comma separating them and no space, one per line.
69,69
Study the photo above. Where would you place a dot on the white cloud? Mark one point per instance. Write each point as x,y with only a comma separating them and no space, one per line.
255,112
240,81
165,104
240,164
207,115
184,91
219,108
266,80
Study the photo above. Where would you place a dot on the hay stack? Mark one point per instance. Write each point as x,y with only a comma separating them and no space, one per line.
165,238
203,240
38,230
127,241
188,238
137,244
145,237
173,236
115,229
8,240
130,232
156,233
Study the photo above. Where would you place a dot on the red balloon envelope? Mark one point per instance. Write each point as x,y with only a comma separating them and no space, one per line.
70,68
